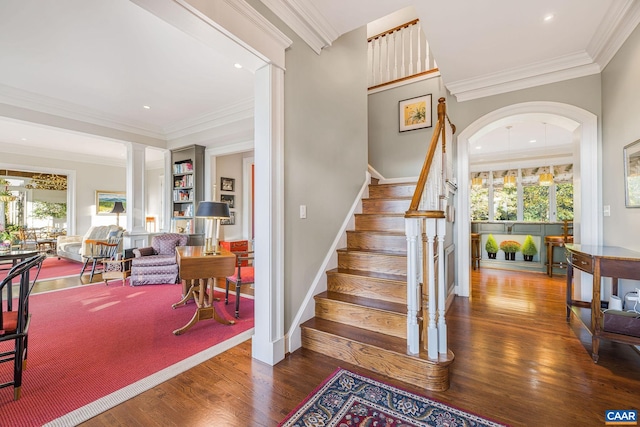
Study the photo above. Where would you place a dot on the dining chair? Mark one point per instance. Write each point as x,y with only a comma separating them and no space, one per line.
14,320
242,276
101,250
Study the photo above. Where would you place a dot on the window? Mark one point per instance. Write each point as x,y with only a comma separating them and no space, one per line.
528,201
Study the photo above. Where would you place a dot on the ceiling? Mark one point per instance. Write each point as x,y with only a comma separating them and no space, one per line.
102,62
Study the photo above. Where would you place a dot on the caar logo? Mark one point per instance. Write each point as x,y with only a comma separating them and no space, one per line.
620,417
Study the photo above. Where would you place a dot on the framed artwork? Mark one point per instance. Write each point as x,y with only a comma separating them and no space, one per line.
632,175
228,199
415,113
106,199
229,221
227,184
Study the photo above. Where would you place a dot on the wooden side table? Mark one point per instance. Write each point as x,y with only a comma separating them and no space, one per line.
198,271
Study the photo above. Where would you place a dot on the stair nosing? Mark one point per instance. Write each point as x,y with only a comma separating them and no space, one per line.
369,274
376,304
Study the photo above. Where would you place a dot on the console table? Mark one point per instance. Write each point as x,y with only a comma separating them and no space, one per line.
599,261
199,270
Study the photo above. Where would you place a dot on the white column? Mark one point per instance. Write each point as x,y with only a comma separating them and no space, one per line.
432,330
268,341
136,234
412,231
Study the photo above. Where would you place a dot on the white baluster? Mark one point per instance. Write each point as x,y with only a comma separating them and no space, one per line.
370,55
426,55
432,330
442,287
402,69
419,62
380,61
395,56
388,59
412,232
411,50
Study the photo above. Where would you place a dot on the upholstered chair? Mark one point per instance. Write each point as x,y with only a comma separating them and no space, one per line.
157,264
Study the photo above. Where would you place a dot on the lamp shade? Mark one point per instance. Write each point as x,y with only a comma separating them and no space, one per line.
212,210
117,208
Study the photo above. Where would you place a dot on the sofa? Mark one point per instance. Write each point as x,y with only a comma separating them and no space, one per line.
73,247
157,264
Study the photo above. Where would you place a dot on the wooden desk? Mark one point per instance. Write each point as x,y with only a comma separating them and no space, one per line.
599,261
198,270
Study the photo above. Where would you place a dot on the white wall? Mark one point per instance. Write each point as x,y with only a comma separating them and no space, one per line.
231,167
89,178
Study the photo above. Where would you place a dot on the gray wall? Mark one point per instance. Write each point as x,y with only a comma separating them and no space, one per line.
325,149
621,107
583,92
393,153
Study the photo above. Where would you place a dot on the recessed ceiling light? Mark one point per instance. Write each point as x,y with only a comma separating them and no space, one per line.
549,17
146,107
532,141
237,66
23,139
478,147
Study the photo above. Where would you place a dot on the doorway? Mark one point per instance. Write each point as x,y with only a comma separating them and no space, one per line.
587,172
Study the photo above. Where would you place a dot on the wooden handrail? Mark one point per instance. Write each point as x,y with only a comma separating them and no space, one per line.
394,29
426,166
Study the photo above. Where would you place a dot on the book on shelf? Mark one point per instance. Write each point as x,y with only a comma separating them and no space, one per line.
185,167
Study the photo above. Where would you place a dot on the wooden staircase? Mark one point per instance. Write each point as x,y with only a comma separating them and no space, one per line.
362,317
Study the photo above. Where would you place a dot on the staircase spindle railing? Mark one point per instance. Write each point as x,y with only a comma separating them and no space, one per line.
405,44
425,221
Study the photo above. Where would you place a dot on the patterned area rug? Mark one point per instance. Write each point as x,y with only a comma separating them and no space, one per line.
346,399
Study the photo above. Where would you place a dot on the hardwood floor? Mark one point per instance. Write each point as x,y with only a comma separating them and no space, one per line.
516,361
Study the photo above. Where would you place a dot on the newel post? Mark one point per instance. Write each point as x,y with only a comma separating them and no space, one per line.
412,232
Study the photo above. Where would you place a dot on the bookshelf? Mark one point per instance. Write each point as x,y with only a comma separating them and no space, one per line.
187,168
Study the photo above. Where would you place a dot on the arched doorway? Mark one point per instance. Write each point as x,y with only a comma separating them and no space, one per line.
587,182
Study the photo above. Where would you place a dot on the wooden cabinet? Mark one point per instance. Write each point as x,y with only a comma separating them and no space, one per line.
600,261
188,188
237,246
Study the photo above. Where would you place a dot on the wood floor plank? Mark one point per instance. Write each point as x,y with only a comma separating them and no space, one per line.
517,361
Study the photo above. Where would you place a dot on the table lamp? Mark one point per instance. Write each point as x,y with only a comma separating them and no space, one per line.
118,208
212,212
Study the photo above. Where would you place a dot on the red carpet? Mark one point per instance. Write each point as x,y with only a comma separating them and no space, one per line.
87,342
53,268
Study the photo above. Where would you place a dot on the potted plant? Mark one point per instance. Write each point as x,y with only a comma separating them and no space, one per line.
491,246
510,247
529,248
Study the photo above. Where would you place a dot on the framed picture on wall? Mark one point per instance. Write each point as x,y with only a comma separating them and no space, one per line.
415,113
227,184
229,199
229,221
632,175
105,200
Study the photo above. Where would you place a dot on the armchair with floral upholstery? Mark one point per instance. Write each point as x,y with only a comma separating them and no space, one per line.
157,263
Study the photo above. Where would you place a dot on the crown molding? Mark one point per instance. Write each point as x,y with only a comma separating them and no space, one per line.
44,104
303,18
67,156
564,68
226,115
616,27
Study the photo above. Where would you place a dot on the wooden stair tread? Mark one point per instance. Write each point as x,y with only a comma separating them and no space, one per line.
371,303
379,232
371,252
369,274
371,338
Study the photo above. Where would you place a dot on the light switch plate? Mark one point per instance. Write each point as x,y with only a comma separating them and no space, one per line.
303,211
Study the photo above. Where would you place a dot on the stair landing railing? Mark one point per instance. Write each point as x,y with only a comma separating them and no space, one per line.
425,229
399,54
